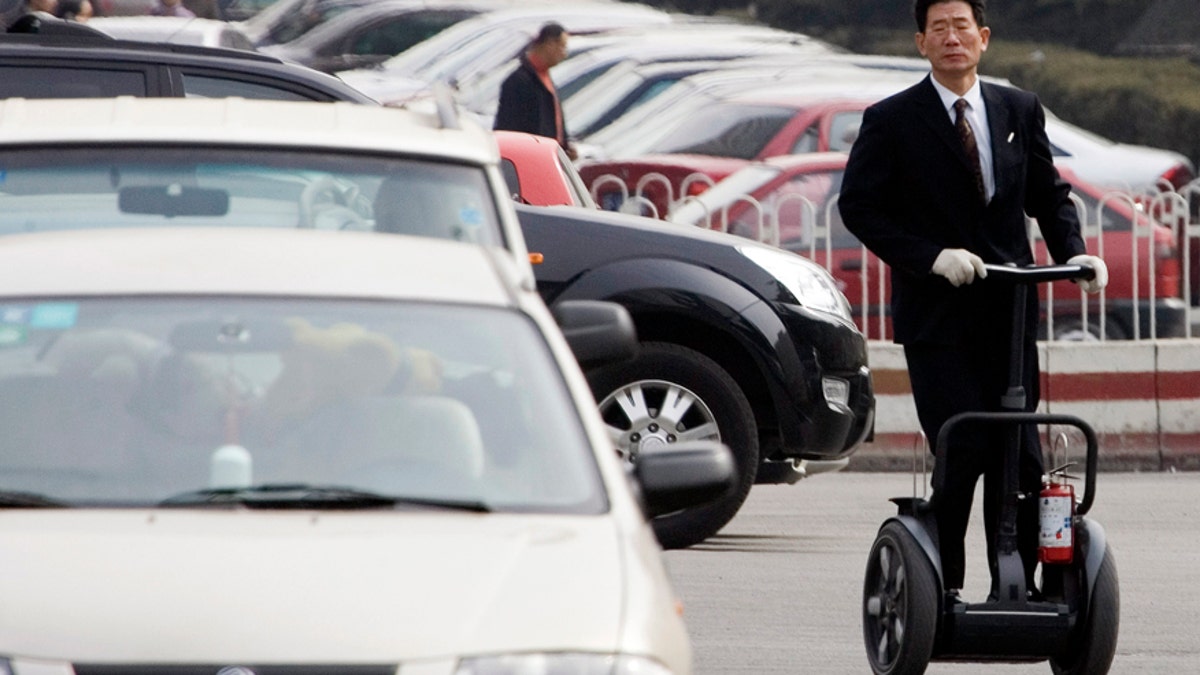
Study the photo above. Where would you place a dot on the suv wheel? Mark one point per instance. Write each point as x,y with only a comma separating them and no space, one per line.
671,393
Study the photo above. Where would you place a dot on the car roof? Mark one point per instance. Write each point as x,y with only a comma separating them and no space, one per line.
101,48
231,261
237,121
42,43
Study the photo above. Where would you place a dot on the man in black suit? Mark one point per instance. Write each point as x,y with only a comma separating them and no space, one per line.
528,100
937,188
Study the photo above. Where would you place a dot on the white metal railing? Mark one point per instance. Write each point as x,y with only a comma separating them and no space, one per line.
1114,314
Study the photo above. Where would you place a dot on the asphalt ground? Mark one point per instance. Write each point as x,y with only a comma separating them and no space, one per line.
779,589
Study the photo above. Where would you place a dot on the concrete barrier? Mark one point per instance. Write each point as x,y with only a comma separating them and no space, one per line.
1141,397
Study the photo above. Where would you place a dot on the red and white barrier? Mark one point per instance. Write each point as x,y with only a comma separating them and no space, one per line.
1141,397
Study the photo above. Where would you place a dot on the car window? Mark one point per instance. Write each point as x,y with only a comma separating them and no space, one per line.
402,32
73,188
196,85
511,177
291,20
70,82
843,130
133,401
809,141
574,182
725,131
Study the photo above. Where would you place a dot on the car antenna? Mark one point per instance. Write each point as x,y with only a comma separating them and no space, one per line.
447,109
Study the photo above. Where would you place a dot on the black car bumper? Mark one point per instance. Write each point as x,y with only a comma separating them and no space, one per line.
832,394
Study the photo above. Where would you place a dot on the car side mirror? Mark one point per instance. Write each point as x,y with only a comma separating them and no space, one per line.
599,332
684,475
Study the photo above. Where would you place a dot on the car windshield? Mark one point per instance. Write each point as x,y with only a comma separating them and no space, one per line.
724,131
113,187
283,403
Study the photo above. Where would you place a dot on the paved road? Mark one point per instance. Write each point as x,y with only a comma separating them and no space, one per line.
778,591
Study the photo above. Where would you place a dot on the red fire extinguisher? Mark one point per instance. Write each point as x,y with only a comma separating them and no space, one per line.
1056,510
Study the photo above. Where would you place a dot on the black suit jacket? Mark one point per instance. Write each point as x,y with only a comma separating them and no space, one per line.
908,193
527,105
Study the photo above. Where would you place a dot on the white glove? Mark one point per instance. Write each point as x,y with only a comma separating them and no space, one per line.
1096,284
959,265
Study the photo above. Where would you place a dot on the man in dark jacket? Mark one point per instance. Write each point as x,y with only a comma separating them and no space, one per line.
528,100
939,183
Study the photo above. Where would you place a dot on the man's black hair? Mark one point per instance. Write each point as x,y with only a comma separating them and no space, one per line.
921,11
550,31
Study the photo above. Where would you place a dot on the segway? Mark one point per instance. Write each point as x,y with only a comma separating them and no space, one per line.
1070,621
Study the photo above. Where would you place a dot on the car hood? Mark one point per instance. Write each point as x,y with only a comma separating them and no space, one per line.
301,586
574,241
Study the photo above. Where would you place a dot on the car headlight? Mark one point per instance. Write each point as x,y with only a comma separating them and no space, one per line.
808,282
560,664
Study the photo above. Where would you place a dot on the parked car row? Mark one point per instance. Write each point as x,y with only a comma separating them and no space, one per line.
812,402
274,357
791,202
759,112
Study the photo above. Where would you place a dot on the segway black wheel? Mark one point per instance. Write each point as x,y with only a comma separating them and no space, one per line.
1091,649
900,604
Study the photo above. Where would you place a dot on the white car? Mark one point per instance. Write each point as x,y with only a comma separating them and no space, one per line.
261,450
176,30
231,162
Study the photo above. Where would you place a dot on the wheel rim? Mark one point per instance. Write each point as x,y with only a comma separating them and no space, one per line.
652,413
885,606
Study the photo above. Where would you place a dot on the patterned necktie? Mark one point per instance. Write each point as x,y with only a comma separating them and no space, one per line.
968,139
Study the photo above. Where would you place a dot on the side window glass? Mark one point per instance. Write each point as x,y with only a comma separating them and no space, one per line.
402,32
509,171
70,82
843,130
807,141
206,86
733,132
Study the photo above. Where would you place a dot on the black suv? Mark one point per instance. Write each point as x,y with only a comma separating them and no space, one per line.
54,65
738,340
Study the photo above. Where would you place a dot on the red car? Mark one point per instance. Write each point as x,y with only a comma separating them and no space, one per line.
791,202
538,172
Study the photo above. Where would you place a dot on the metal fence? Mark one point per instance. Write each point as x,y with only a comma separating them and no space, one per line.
1149,238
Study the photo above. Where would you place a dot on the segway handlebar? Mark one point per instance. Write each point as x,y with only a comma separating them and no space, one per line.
1036,274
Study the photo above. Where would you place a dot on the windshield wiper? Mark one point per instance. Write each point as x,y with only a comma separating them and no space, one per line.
13,499
307,496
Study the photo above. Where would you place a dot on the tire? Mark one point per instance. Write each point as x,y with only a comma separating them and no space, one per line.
631,396
901,598
1091,649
